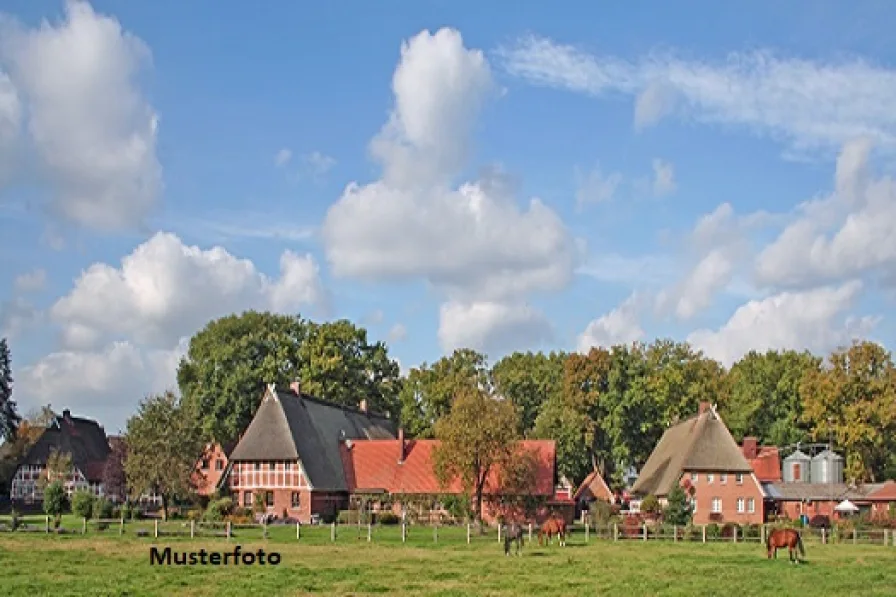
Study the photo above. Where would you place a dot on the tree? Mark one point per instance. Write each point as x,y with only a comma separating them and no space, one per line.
429,391
9,417
476,437
678,509
568,429
163,443
853,398
82,503
765,396
529,380
55,500
59,466
517,482
114,480
11,453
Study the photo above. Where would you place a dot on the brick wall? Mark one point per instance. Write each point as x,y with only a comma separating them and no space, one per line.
728,489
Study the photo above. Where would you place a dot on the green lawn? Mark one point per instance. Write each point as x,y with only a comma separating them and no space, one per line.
38,564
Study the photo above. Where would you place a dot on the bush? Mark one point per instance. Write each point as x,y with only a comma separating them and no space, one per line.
458,506
728,530
693,533
712,531
102,508
678,512
55,500
600,512
387,518
14,519
218,509
751,531
82,504
820,521
348,517
650,505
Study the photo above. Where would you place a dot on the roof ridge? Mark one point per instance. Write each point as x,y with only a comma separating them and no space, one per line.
325,402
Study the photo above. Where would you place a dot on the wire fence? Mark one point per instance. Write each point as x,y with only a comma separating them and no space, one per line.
420,534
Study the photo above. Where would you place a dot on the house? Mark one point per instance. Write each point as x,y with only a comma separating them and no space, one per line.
764,460
883,499
795,499
86,442
210,468
701,455
392,473
592,488
289,455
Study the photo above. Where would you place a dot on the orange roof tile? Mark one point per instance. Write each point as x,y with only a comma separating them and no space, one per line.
885,493
767,464
596,485
373,465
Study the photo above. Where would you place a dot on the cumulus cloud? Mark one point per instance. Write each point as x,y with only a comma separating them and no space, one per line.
32,281
165,289
810,105
492,327
90,127
10,127
596,187
812,320
620,326
316,164
663,178
474,241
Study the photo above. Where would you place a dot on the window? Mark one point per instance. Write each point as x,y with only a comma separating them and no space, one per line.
694,506
716,505
295,499
270,466
751,505
723,478
269,498
258,466
287,466
797,470
740,505
247,499
205,464
709,478
739,478
694,477
219,465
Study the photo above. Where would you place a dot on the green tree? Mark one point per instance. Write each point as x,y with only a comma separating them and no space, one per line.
9,417
82,503
114,480
55,500
478,436
59,467
651,505
529,380
854,399
163,442
429,391
765,396
678,509
568,429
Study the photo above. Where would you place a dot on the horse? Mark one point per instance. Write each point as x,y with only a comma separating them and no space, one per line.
789,538
513,532
553,526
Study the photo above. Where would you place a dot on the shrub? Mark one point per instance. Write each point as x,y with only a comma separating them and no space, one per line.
693,533
728,530
712,531
102,508
650,505
458,506
14,519
218,509
55,500
601,512
820,521
751,531
328,518
678,512
387,518
348,517
82,504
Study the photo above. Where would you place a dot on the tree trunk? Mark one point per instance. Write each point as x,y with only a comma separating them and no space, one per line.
164,507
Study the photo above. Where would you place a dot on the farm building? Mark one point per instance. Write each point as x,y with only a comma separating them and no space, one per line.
793,500
592,488
764,460
701,455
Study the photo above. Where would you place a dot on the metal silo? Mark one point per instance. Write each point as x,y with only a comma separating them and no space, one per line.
827,467
797,468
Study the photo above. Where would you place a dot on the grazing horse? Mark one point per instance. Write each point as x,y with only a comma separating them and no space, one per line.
513,532
789,538
553,526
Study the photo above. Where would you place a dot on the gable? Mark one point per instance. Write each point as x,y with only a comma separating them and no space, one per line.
84,439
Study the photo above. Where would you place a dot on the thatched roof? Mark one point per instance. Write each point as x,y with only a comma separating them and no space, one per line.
290,426
701,443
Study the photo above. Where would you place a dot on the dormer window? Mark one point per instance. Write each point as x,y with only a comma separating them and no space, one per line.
205,464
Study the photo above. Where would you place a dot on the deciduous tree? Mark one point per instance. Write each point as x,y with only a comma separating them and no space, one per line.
163,442
114,479
529,380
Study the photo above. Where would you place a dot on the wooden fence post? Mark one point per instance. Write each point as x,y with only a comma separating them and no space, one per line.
369,532
587,530
156,529
854,536
645,531
121,527
298,530
824,536
84,526
404,532
468,533
48,523
264,528
530,532
674,533
735,533
228,530
615,531
333,532
704,533
192,529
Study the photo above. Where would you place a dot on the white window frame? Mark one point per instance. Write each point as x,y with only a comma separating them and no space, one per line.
716,505
723,478
709,478
741,505
751,505
694,478
739,478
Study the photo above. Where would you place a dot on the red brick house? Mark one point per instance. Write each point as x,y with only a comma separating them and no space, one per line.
793,500
701,455
394,472
290,453
211,468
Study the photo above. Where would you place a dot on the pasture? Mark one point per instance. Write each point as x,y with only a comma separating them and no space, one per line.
109,564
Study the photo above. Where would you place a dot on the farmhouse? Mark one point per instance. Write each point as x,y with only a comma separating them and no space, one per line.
88,445
211,467
592,488
701,455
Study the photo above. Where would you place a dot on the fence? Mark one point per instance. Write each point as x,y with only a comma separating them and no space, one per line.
424,534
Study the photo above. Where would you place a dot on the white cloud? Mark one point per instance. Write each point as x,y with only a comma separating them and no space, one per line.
790,320
31,281
621,269
10,127
282,157
93,131
809,104
595,187
317,164
473,241
491,327
398,333
620,326
700,287
663,178
105,384
165,289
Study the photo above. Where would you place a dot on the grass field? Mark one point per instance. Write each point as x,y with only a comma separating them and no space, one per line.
39,564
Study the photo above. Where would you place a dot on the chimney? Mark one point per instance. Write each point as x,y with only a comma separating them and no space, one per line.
400,445
363,406
296,387
749,448
66,414
704,407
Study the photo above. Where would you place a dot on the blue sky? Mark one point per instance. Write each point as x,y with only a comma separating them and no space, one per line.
716,175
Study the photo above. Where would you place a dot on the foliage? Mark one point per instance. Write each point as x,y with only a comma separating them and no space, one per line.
601,511
82,503
55,500
568,429
59,467
430,390
529,380
114,479
854,398
650,505
258,503
678,510
387,518
820,521
103,508
478,435
14,519
457,505
231,359
29,430
9,417
713,531
218,510
163,442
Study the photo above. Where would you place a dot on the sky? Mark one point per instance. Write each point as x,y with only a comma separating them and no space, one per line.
446,174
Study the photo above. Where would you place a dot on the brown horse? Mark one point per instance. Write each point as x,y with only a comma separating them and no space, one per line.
781,538
552,526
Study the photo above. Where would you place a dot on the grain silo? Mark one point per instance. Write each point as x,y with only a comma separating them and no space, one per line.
827,467
797,468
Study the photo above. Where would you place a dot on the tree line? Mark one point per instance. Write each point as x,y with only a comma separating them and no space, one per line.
606,409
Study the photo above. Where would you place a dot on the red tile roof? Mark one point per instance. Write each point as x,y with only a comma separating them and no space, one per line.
767,464
373,465
887,493
596,486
